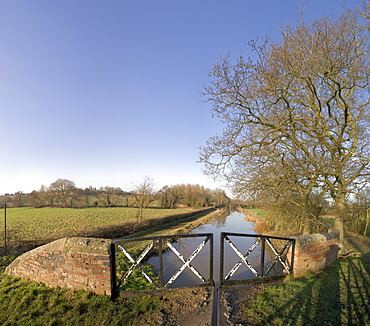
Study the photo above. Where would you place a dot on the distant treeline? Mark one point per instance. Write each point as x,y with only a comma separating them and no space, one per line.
64,193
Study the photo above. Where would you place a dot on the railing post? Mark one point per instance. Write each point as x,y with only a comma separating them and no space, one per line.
222,251
160,254
292,257
263,256
113,271
210,237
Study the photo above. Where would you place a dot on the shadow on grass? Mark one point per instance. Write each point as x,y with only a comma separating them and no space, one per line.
355,290
339,295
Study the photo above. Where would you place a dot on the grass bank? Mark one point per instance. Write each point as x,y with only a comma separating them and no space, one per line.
338,295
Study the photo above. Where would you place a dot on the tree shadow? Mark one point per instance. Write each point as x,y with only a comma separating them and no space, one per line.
338,295
355,291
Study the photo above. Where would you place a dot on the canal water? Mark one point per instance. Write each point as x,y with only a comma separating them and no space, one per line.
234,222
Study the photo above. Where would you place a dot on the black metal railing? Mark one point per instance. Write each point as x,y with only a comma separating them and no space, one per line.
279,255
147,246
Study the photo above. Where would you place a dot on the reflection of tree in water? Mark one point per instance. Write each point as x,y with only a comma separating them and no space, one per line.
220,220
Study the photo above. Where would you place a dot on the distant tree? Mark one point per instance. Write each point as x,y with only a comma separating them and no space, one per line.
109,196
219,198
47,196
164,195
359,213
4,200
17,199
86,194
34,199
143,194
169,197
65,191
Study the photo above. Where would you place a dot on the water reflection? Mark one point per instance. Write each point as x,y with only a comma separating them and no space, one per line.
233,222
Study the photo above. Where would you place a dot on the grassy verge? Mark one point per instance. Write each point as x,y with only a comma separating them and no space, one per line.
338,295
25,303
262,213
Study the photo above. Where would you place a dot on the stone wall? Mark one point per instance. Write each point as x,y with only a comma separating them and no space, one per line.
315,251
78,263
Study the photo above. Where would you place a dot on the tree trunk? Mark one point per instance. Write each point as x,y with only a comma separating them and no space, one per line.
339,219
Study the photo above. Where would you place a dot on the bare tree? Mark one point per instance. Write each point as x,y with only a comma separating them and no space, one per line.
109,196
143,194
65,191
302,106
365,10
17,200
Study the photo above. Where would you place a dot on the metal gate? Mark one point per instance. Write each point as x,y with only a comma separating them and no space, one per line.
147,246
135,256
280,255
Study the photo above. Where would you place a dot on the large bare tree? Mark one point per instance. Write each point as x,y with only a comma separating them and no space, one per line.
65,191
298,114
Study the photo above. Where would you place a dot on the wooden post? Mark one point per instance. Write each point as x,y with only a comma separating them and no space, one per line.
4,229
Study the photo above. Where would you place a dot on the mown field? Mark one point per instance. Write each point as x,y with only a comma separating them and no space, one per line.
28,225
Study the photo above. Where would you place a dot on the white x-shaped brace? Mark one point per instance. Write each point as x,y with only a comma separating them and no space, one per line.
243,258
136,264
278,256
186,262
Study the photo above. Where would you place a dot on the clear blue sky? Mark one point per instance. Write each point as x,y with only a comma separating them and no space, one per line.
105,92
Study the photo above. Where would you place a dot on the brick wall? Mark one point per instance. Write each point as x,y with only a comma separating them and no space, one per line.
79,263
85,263
315,251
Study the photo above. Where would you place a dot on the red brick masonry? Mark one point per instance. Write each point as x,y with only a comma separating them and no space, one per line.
314,251
78,263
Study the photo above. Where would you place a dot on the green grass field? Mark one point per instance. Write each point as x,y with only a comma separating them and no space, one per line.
37,224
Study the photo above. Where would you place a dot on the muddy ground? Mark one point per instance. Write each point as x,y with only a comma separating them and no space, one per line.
191,306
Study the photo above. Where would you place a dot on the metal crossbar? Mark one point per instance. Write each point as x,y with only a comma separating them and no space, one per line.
261,240
158,242
136,264
278,256
186,263
243,258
